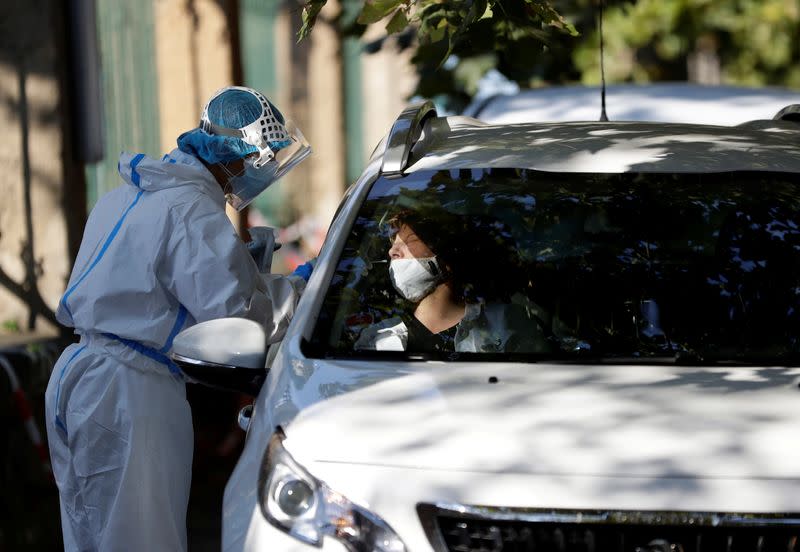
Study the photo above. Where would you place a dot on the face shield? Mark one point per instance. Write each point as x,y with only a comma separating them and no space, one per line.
244,186
279,143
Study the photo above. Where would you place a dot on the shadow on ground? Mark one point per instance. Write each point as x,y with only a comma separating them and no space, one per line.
29,511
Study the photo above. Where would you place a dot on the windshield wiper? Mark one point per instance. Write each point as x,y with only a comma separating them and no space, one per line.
680,358
698,358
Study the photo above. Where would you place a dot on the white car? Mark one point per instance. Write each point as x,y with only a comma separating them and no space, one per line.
658,408
664,102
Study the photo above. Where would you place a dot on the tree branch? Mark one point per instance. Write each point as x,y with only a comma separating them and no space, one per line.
31,298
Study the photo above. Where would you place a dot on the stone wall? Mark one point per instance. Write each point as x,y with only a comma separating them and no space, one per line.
34,247
193,57
388,80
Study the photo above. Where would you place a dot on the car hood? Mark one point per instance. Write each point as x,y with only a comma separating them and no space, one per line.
598,420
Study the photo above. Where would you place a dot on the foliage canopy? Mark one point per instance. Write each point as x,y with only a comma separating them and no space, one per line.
535,42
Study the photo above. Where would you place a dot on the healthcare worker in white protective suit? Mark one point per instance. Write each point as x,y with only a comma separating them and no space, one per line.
159,255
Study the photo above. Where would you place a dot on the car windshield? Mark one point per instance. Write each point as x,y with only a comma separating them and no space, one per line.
538,265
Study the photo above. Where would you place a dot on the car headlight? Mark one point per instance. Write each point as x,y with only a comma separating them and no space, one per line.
296,502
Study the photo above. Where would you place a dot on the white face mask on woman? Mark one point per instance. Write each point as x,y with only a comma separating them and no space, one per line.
415,278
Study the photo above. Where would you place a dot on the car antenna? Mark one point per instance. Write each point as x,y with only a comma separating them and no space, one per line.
603,115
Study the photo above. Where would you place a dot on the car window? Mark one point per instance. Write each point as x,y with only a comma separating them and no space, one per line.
577,266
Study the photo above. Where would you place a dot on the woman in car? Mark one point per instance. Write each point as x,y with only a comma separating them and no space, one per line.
450,270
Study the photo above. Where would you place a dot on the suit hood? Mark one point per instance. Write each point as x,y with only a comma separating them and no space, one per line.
173,170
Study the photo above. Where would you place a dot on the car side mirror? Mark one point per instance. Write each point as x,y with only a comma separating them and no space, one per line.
227,353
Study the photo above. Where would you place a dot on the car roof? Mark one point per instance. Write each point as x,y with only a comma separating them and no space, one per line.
666,102
613,147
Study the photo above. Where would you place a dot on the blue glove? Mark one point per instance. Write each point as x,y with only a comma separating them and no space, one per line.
304,270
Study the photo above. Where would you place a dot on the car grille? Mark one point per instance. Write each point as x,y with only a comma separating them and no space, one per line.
481,529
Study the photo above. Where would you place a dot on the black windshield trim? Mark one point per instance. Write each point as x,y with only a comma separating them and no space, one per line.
311,350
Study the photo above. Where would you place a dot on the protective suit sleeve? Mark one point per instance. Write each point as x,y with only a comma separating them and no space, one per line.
262,246
210,272
387,335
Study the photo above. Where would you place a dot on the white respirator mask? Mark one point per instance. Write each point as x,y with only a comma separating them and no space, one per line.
415,278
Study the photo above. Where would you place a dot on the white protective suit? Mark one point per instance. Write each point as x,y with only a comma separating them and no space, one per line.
158,255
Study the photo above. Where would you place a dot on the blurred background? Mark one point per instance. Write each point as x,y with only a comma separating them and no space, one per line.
83,80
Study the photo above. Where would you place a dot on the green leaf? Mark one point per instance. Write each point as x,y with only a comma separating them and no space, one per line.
437,33
477,10
398,22
542,10
310,12
429,17
375,10
470,71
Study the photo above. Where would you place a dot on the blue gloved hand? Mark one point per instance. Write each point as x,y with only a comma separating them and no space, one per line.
305,270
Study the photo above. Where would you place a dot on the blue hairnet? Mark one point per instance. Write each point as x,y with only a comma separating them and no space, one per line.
231,109
212,148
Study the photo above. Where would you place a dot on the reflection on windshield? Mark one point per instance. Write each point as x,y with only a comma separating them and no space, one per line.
517,262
